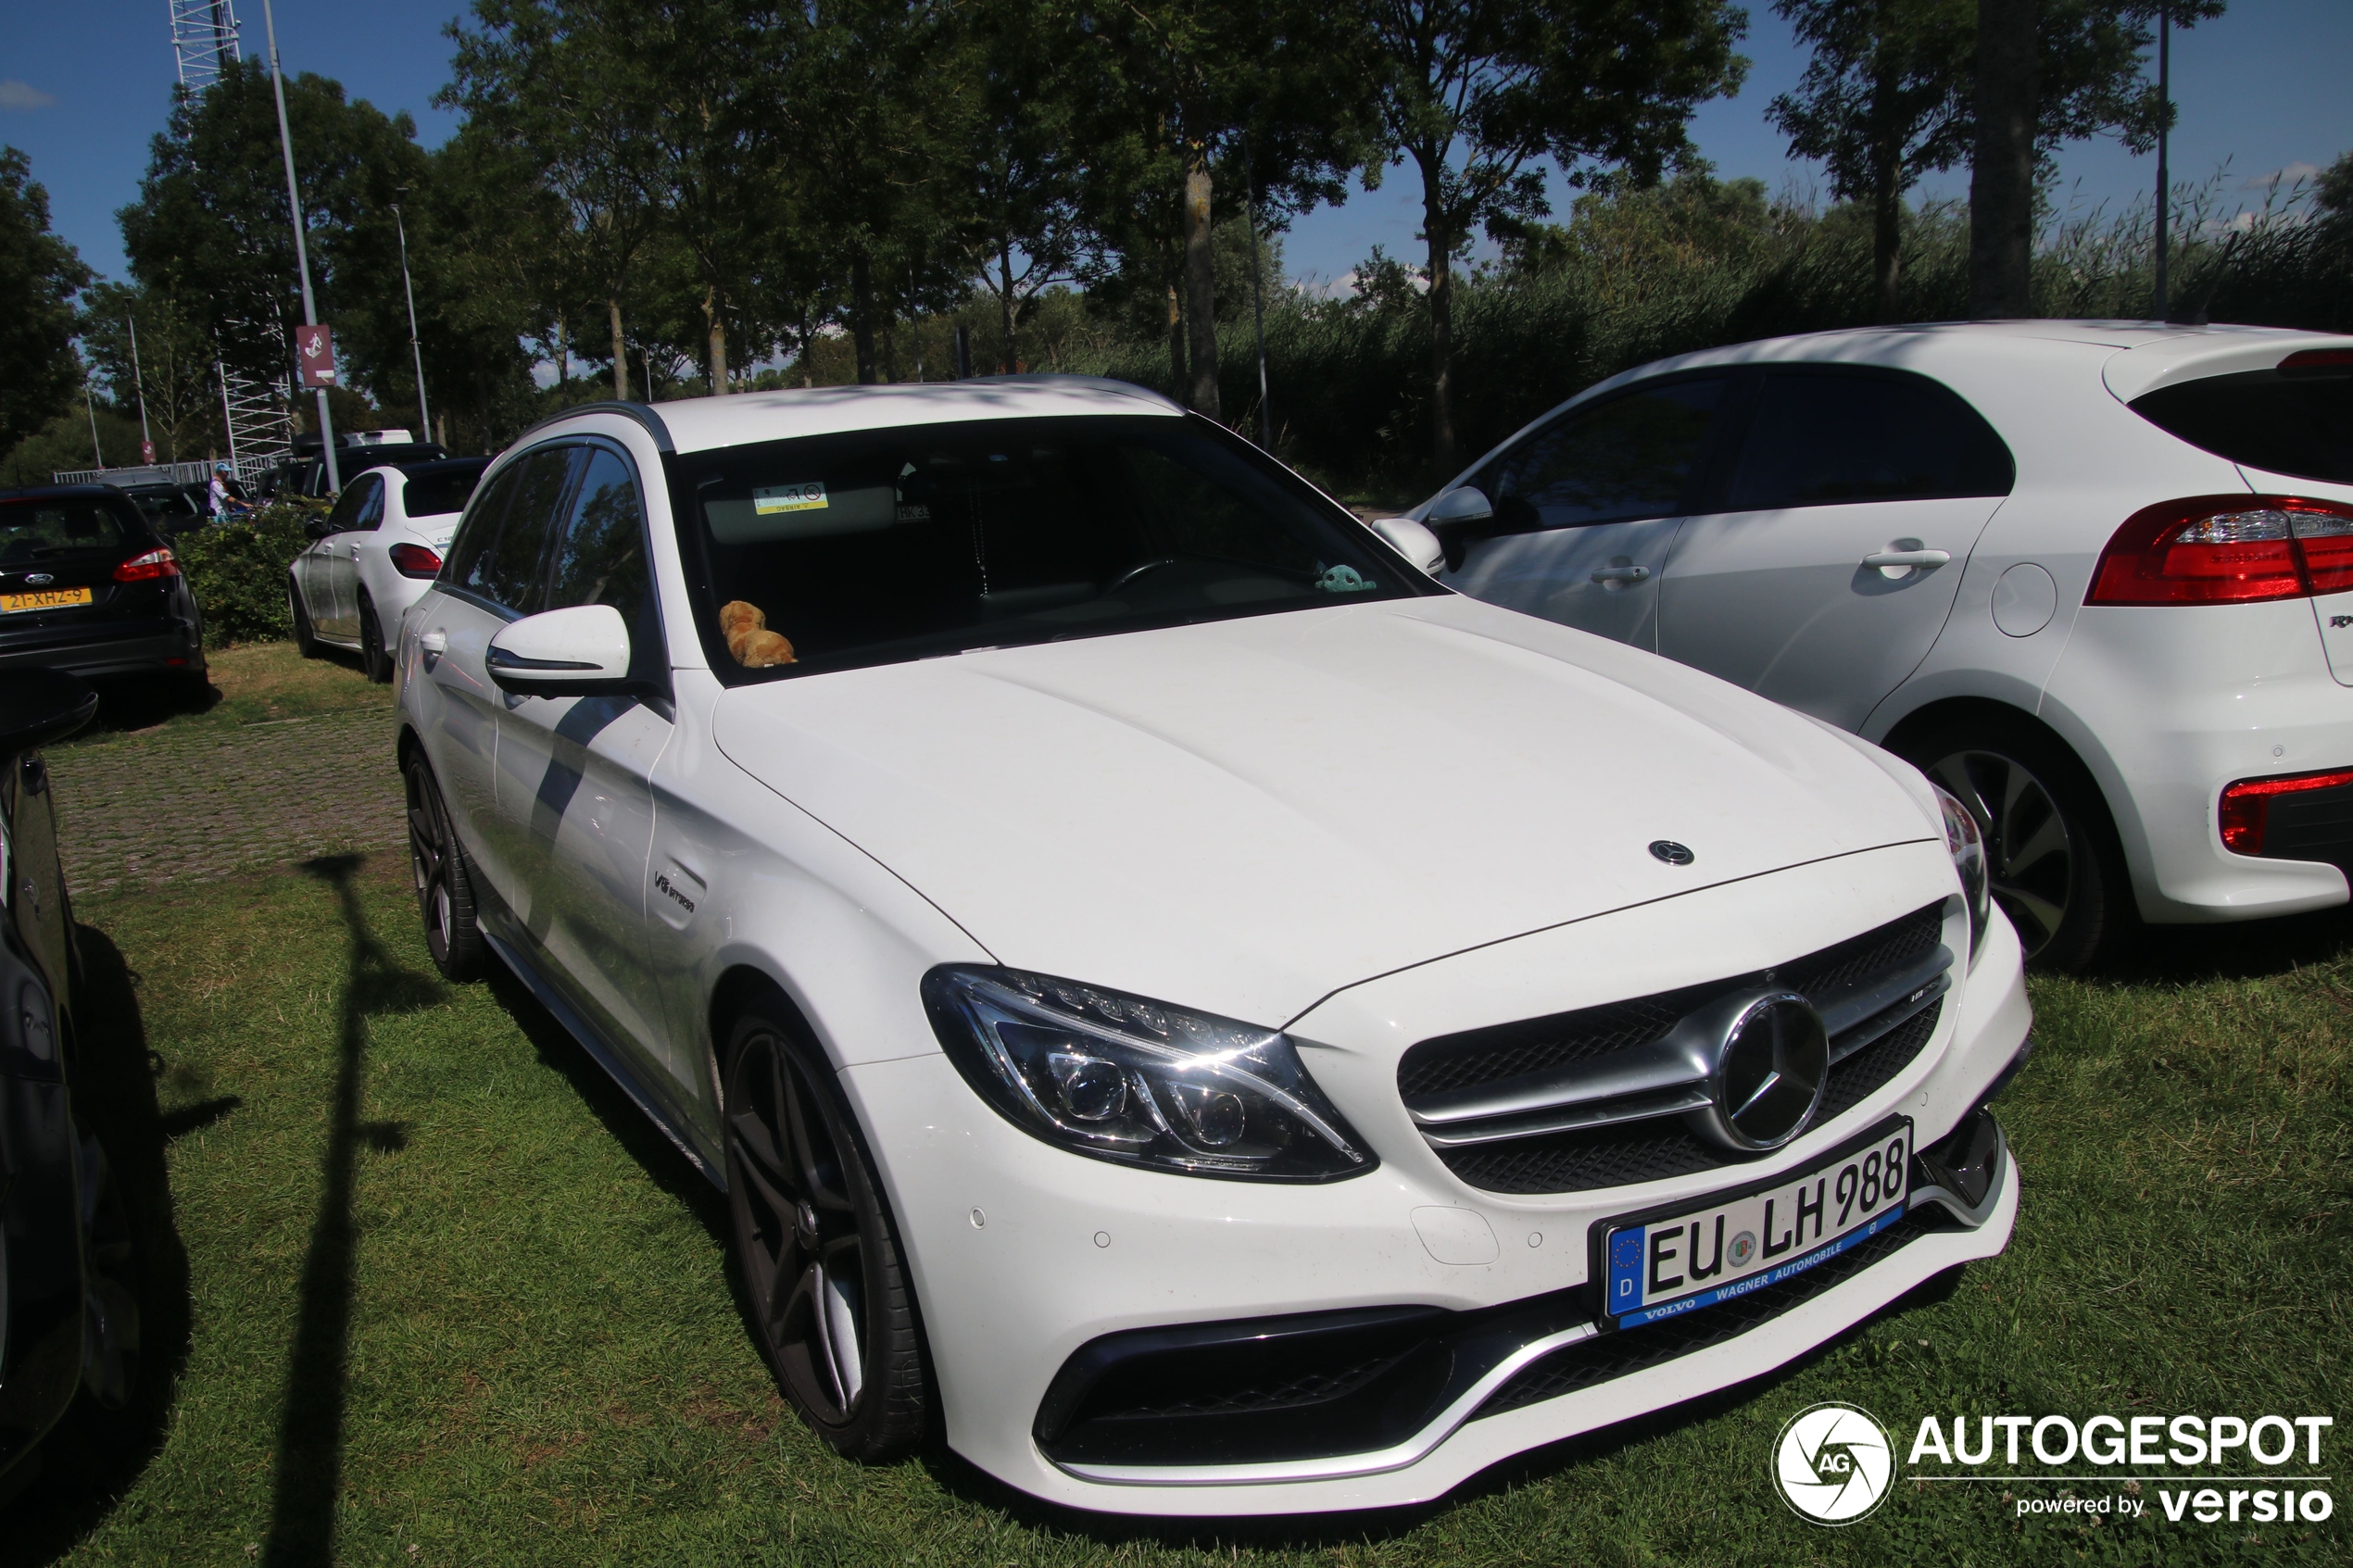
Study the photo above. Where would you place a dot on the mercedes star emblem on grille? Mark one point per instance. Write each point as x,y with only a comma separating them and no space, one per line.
1674,854
1772,1061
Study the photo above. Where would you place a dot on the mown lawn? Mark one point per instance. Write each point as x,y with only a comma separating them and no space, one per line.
446,1300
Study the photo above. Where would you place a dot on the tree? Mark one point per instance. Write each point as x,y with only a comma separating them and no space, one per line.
2049,71
172,367
39,276
1478,91
1025,170
1884,100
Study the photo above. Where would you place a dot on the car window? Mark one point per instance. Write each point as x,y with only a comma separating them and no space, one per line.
439,491
509,573
480,525
2296,422
1824,438
345,514
1632,454
871,547
601,558
370,515
35,530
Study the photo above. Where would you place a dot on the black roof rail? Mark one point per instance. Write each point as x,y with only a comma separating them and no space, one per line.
641,412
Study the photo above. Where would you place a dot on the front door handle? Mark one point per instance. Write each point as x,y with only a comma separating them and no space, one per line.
1894,563
436,642
355,552
1621,574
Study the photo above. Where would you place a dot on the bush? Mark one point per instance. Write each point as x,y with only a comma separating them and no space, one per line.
237,570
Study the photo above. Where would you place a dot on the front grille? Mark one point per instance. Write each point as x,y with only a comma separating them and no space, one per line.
1608,1356
1652,1151
1630,1152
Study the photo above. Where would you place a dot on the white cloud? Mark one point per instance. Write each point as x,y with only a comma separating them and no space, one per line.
2278,177
15,94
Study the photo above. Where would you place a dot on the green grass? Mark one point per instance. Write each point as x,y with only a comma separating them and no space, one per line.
251,683
501,1305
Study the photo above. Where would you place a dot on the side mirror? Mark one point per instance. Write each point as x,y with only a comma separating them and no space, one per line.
41,706
1413,541
576,652
314,528
1465,503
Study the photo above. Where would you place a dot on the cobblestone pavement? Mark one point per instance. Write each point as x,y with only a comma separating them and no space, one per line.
198,803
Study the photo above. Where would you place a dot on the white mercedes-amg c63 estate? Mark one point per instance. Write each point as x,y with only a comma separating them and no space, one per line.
1207,1019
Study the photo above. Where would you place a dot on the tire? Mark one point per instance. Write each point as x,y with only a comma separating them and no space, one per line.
305,641
110,1313
374,659
444,876
2051,851
803,1196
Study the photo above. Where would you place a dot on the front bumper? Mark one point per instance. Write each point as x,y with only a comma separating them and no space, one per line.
1030,1262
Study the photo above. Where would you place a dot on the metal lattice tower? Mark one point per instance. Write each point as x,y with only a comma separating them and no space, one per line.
204,35
260,427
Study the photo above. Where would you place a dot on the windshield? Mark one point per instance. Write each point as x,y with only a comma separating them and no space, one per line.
867,547
50,529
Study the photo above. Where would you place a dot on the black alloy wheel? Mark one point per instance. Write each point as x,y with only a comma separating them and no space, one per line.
306,640
374,659
2050,854
815,1250
109,1284
444,878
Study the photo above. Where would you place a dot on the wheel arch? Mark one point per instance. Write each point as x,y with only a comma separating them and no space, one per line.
2095,769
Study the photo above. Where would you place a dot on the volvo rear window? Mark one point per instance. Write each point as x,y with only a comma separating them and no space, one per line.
874,546
2299,422
50,529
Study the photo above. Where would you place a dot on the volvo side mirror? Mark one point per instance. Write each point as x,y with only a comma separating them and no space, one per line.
578,652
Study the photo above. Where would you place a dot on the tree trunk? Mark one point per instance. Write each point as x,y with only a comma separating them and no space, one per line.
714,312
620,353
1887,191
1441,325
1176,340
1005,296
1201,281
563,356
862,317
2001,187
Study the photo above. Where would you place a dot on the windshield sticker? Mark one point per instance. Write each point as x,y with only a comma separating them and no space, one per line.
806,497
1345,580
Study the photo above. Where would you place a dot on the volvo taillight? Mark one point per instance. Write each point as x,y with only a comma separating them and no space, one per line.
414,560
2227,549
154,563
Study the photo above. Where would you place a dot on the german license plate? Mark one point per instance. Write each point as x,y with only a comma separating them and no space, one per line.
1675,1261
46,598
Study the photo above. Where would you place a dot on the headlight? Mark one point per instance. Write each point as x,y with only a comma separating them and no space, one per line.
1138,1082
1967,842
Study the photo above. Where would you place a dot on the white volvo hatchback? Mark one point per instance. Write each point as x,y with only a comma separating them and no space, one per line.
1181,1003
2095,577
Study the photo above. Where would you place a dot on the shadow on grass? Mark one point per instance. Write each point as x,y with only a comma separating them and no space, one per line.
140,702
95,1455
1316,1533
310,1428
2177,955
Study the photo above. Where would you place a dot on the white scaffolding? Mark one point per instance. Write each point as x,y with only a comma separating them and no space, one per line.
203,36
261,425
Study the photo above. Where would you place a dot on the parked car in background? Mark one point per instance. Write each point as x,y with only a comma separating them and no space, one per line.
1180,1002
170,509
88,585
305,474
2095,578
374,554
69,1302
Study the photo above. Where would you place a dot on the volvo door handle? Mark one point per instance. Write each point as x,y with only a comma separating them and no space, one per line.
1907,560
1621,574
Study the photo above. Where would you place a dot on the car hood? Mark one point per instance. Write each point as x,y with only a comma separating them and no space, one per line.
1246,815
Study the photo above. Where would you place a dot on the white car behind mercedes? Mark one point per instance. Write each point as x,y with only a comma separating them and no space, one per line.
2096,578
1204,1017
372,556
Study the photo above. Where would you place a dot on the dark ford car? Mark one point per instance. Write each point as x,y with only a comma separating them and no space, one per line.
88,585
70,1306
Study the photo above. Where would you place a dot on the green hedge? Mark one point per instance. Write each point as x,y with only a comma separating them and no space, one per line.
237,570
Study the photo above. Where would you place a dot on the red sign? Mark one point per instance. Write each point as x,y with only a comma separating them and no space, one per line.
315,347
146,451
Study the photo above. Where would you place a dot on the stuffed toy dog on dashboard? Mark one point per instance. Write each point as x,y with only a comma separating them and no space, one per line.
745,629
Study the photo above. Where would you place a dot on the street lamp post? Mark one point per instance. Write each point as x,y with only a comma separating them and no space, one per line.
425,421
139,379
302,251
2164,117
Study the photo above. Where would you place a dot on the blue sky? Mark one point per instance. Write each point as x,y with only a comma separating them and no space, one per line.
84,84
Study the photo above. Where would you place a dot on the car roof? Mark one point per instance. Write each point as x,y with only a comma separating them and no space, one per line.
699,424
